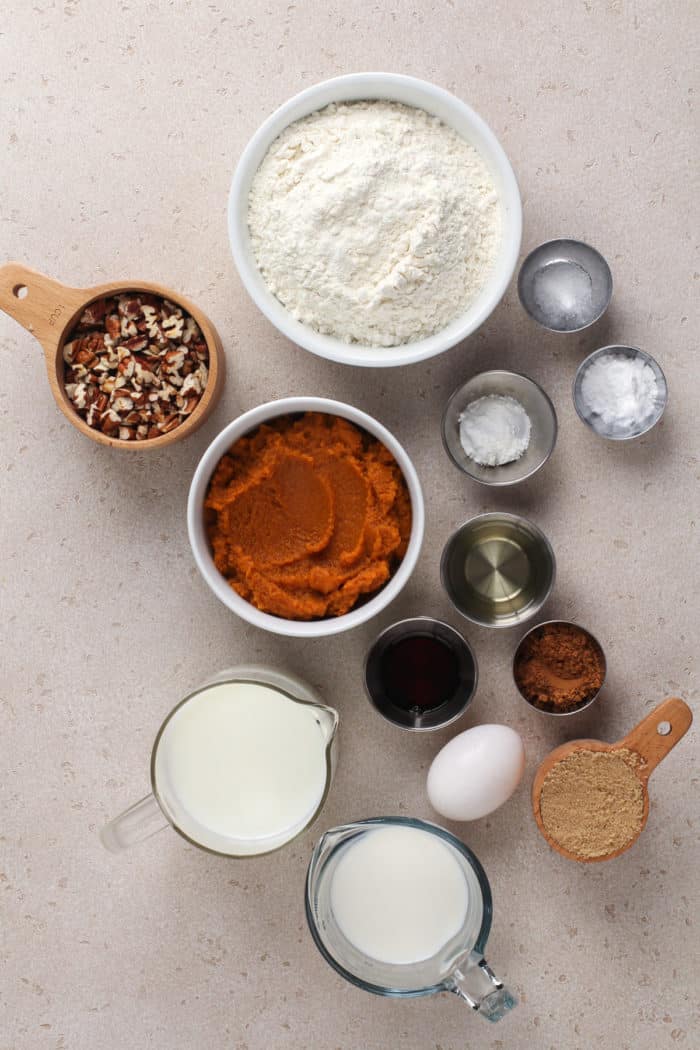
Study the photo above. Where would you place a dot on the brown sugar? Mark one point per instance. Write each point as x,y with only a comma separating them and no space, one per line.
592,802
559,667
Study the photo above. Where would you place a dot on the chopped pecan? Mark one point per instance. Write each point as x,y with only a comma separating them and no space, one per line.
135,365
173,326
136,344
192,384
77,392
170,423
121,403
113,326
126,367
83,350
127,328
129,308
173,359
189,330
93,314
109,422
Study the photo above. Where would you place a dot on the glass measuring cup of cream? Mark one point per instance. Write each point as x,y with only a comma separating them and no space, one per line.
240,767
402,908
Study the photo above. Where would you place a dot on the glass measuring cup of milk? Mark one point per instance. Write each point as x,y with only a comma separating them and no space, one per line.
240,766
402,908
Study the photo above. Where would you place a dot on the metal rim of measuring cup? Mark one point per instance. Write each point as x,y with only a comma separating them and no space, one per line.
499,516
497,482
587,703
635,352
549,244
411,822
380,643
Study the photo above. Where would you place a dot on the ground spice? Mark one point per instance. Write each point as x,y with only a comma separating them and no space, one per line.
592,802
559,667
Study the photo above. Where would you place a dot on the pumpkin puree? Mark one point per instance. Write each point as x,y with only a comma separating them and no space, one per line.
306,515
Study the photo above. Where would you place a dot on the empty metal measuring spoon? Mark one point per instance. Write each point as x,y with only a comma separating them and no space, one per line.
565,285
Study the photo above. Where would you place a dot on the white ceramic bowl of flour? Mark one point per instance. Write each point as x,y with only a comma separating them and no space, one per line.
452,112
201,550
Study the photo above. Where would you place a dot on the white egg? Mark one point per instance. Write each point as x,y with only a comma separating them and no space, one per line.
476,772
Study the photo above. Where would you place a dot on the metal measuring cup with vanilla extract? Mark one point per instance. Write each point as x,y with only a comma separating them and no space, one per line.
420,674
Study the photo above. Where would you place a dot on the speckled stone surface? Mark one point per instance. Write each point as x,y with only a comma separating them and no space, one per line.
120,126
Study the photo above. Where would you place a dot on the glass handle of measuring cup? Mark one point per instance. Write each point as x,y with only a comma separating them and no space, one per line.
135,824
477,984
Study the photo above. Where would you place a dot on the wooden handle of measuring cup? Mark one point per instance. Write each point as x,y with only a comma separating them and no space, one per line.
658,733
41,305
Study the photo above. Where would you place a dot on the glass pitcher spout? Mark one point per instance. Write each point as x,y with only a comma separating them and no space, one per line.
325,845
475,982
328,720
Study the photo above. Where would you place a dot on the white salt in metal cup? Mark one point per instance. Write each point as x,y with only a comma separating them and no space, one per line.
565,285
593,420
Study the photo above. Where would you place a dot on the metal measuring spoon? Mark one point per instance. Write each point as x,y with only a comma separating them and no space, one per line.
614,431
498,569
565,285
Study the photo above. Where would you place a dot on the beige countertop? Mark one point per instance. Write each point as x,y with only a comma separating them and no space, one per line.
120,126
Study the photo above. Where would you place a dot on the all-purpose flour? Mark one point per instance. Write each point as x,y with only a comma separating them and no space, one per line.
374,222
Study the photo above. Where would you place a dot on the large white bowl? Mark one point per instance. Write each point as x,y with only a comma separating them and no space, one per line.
200,545
412,92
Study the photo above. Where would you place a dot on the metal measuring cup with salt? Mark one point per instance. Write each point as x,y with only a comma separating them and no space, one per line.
565,285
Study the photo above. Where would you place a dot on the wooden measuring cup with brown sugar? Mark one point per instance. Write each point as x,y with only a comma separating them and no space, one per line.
639,754
50,311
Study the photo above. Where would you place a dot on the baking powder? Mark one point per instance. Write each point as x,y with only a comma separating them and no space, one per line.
494,430
622,391
374,222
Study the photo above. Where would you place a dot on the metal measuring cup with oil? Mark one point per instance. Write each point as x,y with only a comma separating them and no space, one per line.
498,569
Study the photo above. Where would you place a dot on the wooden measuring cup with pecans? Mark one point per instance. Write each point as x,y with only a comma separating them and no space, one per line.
131,364
591,799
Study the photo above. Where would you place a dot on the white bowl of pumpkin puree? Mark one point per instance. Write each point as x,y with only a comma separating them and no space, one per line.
305,516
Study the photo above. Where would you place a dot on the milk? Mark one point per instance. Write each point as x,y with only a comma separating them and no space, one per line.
241,768
398,894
